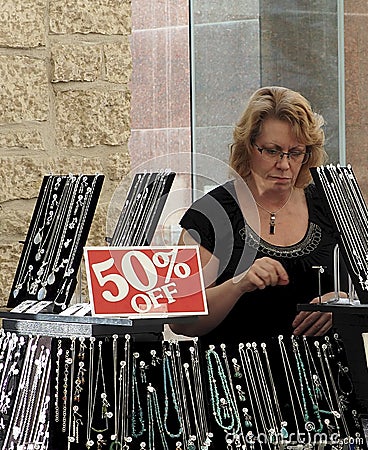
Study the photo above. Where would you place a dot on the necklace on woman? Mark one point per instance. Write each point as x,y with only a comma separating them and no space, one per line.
273,213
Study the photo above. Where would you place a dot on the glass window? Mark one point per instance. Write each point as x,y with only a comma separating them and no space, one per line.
237,47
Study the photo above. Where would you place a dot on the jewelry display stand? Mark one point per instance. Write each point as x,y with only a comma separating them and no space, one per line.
348,212
113,392
142,209
53,249
351,322
52,252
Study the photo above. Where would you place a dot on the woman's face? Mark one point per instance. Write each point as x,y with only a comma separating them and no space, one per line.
278,173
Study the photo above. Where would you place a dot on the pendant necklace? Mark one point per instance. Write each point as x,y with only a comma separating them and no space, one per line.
273,213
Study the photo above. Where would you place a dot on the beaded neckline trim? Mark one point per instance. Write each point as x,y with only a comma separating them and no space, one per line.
306,246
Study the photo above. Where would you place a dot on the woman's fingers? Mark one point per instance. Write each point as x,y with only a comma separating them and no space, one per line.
312,323
267,272
315,323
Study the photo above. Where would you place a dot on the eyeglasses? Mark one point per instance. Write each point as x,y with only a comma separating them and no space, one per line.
272,154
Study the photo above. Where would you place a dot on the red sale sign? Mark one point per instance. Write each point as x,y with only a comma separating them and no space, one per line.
145,281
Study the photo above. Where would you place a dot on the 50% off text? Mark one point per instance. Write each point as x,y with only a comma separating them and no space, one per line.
149,276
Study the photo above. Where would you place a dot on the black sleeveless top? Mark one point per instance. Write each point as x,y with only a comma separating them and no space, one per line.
217,223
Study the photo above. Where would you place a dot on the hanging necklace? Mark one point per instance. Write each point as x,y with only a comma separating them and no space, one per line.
169,388
223,408
273,213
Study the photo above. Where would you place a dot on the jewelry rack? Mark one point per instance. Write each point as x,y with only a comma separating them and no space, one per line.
53,249
114,393
47,270
346,207
142,208
347,210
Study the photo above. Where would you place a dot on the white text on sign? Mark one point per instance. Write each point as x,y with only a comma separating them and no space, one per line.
139,271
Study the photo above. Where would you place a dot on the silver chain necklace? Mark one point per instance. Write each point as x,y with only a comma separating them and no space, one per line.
273,213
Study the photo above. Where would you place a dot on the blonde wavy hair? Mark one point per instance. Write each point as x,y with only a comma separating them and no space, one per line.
283,104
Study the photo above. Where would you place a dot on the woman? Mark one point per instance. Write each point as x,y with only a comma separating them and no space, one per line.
256,277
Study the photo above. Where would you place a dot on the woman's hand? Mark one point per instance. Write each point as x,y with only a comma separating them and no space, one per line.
315,323
263,272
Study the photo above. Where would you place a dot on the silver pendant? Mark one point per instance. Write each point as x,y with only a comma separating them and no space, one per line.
41,293
38,238
51,278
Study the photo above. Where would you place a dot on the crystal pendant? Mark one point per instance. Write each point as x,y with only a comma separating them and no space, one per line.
51,278
15,292
38,238
41,293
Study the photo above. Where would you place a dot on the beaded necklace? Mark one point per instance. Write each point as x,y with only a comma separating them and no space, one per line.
137,410
167,368
71,435
67,363
304,383
59,352
318,389
80,379
248,418
327,393
154,415
239,435
223,408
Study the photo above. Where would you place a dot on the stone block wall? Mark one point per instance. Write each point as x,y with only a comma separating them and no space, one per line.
65,66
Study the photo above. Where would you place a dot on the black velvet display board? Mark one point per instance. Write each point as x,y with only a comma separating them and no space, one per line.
53,248
142,209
